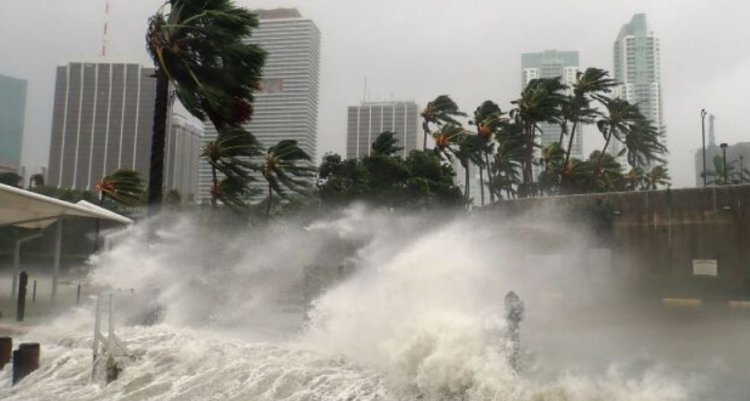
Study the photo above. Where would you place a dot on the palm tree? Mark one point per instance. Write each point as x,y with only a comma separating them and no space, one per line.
539,102
616,123
385,144
635,179
469,152
201,47
659,175
487,117
643,145
440,111
593,83
447,139
508,160
286,165
124,186
231,154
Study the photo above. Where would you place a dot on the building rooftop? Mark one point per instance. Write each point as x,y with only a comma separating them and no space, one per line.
278,13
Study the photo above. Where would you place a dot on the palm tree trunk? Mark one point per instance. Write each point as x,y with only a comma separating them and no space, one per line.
490,181
467,191
570,143
156,169
481,185
426,130
270,200
214,189
601,157
528,170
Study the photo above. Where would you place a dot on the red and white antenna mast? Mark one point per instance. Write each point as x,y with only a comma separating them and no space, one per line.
105,33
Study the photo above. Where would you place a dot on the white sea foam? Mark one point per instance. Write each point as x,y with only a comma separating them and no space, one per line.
417,313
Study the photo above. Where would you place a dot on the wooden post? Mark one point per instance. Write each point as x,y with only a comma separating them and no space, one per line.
33,293
21,305
6,348
25,360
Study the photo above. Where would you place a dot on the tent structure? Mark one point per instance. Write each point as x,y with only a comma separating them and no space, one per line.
26,209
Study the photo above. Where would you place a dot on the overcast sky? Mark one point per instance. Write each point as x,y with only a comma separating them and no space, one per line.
418,49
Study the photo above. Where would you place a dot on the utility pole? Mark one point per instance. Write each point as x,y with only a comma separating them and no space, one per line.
724,152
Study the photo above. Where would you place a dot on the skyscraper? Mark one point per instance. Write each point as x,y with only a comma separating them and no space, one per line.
182,155
12,112
553,64
637,68
287,105
102,121
366,121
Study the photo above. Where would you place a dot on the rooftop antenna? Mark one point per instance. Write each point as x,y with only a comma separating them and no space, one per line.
711,133
105,29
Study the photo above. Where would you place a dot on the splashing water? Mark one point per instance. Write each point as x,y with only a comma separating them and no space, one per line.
415,311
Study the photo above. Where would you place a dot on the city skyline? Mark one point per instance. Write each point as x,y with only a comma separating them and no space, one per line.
389,61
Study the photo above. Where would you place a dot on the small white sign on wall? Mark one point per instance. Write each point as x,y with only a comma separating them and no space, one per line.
705,267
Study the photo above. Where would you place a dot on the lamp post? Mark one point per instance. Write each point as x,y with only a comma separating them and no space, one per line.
703,132
724,153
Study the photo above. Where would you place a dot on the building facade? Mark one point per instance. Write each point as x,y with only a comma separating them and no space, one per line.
637,67
102,121
12,114
553,64
287,105
182,156
368,120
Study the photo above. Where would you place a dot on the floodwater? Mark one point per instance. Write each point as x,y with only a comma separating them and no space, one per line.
380,306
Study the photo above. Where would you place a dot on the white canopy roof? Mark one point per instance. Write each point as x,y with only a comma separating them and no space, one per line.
22,208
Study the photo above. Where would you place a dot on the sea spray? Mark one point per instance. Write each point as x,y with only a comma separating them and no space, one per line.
418,315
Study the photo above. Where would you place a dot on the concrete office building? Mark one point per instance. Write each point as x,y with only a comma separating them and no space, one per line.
637,67
182,156
368,120
287,105
552,64
12,113
102,121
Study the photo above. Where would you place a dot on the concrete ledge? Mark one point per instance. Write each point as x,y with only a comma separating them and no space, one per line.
739,304
682,302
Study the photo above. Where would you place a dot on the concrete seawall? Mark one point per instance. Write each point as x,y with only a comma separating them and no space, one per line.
655,237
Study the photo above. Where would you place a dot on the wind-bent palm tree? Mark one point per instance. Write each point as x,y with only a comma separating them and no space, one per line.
616,124
201,47
468,152
124,186
286,166
635,179
508,160
643,145
592,84
659,175
539,102
385,144
230,154
442,110
447,139
488,118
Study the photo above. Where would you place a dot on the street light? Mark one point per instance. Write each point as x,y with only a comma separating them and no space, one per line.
703,131
724,152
